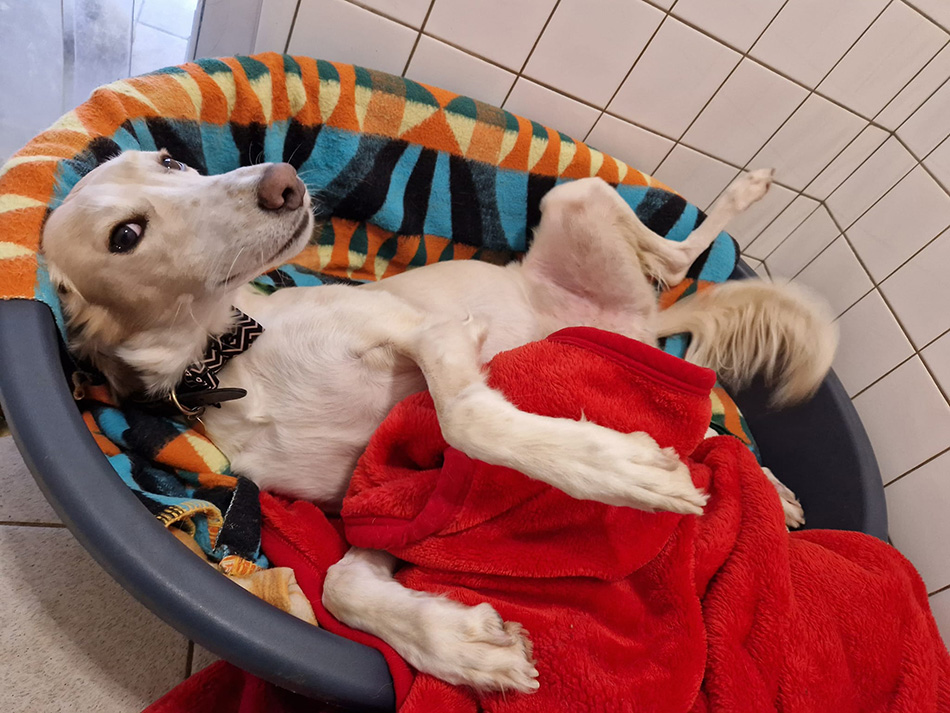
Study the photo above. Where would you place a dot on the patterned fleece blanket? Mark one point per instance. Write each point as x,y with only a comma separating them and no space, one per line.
411,175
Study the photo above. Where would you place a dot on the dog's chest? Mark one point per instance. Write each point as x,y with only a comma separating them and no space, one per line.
312,405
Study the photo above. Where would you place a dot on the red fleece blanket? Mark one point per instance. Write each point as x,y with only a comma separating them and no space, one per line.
628,610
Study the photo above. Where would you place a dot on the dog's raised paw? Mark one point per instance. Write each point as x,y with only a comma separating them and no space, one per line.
750,187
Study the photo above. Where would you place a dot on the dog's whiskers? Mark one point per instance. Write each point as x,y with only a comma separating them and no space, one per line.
233,263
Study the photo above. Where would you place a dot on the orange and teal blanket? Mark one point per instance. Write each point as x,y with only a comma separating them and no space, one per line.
409,174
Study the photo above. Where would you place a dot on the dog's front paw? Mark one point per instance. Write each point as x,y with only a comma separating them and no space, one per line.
630,469
474,646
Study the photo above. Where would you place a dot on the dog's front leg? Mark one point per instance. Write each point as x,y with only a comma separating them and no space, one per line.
461,645
586,461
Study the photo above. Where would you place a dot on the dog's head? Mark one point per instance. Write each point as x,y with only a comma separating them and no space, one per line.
143,240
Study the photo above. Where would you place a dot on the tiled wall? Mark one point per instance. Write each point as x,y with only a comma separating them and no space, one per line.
848,99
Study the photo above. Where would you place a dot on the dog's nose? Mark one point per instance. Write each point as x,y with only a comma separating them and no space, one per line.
280,188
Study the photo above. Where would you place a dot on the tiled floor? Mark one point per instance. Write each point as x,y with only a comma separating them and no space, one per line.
71,638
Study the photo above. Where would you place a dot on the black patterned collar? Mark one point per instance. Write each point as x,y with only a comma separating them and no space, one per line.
199,386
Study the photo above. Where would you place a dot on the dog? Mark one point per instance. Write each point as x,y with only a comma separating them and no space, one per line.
151,261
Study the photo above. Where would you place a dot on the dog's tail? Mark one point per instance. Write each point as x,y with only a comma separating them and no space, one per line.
748,328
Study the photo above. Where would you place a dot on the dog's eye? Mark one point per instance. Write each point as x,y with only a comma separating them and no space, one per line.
125,237
173,165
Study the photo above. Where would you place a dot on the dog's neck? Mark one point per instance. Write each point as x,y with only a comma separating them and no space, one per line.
149,359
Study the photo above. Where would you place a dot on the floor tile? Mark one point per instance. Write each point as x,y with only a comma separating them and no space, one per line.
888,55
937,358
936,10
836,275
746,227
808,36
737,22
440,65
917,519
80,641
540,104
940,606
22,500
328,28
412,12
847,162
639,148
927,126
589,46
228,28
153,49
273,28
909,99
750,107
908,217
784,225
175,17
202,658
491,28
809,141
870,181
906,417
939,163
809,239
872,343
919,292
698,178
680,57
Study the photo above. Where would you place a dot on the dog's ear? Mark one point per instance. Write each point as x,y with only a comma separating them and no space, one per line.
88,325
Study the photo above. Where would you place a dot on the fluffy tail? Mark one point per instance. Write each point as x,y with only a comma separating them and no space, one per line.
748,328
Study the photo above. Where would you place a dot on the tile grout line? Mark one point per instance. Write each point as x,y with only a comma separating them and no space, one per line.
890,307
520,73
920,161
747,55
605,111
938,590
743,56
850,225
21,523
920,465
790,232
633,66
293,24
132,24
415,44
910,81
189,658
813,92
867,126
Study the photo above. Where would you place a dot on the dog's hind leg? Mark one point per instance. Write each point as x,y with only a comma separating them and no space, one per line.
674,258
459,644
582,269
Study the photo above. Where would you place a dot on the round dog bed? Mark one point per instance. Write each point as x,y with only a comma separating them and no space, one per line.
409,175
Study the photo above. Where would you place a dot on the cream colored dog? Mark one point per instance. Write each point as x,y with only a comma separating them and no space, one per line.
150,257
